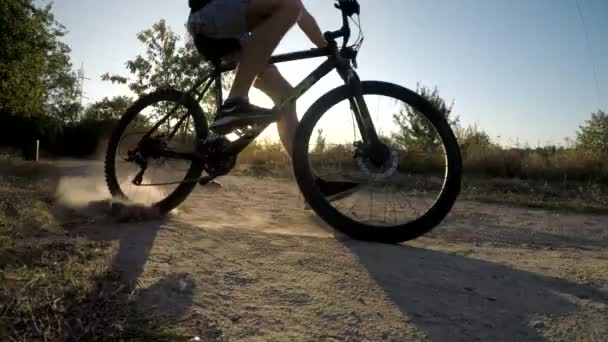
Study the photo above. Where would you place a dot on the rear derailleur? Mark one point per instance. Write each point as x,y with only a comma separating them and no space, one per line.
147,148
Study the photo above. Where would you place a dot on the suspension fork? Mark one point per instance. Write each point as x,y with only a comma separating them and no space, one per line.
359,106
378,151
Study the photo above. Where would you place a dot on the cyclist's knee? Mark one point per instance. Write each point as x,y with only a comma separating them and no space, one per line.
292,8
271,71
259,10
271,81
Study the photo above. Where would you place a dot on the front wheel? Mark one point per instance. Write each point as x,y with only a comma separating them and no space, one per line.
399,199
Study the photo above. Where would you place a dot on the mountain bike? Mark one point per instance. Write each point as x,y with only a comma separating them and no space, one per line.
401,168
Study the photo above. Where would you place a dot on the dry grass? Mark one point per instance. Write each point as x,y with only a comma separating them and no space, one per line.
555,179
538,164
55,287
567,196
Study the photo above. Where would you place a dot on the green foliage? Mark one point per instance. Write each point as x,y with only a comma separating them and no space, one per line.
414,130
35,66
593,136
108,109
24,41
473,140
80,138
60,80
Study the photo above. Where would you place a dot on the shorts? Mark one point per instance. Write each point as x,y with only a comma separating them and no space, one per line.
220,19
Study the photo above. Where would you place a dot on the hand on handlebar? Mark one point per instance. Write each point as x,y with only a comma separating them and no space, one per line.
349,7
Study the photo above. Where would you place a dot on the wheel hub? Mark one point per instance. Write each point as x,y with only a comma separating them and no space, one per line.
377,162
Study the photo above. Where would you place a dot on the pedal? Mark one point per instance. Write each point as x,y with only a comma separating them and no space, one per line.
210,182
250,132
215,185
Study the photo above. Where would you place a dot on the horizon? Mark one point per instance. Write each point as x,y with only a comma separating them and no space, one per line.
510,67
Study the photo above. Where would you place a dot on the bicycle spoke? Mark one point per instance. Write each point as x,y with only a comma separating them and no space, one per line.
408,202
358,197
163,136
394,209
385,204
404,182
371,203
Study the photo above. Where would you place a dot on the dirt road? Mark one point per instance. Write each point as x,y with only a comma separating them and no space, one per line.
246,263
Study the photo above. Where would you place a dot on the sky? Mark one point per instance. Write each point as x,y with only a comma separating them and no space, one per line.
521,70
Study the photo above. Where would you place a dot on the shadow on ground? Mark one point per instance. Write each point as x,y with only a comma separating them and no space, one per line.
456,298
168,298
448,297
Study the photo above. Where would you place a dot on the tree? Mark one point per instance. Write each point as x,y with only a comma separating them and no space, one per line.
593,136
61,96
164,63
23,46
107,109
35,67
473,139
414,130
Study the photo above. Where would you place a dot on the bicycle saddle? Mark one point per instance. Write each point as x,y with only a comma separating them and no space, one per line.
214,50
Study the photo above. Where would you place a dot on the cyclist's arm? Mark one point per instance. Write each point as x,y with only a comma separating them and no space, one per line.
309,26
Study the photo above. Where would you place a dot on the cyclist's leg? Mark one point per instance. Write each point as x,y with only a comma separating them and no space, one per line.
269,21
273,84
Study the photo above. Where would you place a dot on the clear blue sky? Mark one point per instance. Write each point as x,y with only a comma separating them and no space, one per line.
520,69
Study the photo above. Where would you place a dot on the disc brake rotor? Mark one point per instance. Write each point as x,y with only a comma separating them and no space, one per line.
377,173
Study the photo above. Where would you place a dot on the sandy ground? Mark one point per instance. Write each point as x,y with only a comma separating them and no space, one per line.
246,263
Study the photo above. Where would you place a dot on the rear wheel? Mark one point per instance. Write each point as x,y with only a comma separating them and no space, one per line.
165,182
402,198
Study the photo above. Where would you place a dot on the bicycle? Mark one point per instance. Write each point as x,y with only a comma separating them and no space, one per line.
371,156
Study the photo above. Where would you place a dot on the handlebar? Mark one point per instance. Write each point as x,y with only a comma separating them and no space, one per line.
348,9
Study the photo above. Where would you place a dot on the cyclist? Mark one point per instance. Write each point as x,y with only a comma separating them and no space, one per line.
259,25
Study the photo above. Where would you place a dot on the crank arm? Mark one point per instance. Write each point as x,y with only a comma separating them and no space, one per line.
180,155
206,180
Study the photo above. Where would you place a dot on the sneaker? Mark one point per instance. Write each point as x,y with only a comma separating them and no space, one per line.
335,191
238,113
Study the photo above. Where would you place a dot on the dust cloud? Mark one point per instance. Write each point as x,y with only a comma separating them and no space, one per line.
89,195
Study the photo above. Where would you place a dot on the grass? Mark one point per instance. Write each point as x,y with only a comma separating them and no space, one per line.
554,179
60,291
577,197
54,287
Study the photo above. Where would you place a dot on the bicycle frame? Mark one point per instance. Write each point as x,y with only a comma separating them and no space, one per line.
304,85
338,59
